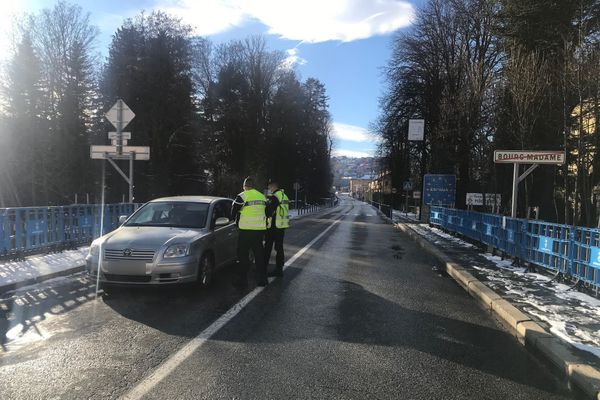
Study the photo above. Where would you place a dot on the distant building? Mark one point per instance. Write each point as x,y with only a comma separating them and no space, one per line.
382,183
360,186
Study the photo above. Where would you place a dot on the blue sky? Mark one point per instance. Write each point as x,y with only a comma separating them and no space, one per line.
343,43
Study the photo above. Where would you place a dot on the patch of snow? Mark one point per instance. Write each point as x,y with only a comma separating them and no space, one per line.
39,265
570,315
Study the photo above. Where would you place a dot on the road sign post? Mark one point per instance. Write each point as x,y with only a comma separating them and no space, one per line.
416,132
407,187
296,187
518,157
120,115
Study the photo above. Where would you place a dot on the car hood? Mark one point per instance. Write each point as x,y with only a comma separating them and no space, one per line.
149,237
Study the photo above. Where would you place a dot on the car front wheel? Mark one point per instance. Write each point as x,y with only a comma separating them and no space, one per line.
205,271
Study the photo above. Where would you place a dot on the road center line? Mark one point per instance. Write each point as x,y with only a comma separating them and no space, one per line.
186,351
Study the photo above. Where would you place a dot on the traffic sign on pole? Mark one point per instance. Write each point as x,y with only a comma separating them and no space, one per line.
529,157
126,115
102,152
124,135
517,157
416,129
120,115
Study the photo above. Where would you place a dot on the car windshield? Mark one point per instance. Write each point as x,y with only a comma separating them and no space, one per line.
171,214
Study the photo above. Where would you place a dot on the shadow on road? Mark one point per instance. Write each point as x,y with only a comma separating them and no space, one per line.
22,311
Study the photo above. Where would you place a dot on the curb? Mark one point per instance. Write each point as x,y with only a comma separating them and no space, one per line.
560,354
38,279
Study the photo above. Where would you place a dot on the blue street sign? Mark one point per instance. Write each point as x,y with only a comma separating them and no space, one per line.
545,244
439,190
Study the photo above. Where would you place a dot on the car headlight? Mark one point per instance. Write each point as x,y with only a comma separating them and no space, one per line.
176,250
94,250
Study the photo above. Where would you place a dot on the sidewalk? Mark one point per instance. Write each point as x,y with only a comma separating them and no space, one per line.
570,316
41,267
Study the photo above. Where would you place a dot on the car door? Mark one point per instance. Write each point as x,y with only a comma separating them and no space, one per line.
225,236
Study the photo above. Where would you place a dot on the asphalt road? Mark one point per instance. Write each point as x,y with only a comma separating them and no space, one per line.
360,315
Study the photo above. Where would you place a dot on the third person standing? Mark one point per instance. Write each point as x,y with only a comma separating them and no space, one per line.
278,220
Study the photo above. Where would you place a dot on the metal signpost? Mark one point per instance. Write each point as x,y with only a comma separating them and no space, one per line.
407,187
416,132
518,157
296,188
120,115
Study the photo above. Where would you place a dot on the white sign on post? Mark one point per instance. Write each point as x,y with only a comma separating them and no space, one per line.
476,199
416,129
493,199
417,194
101,152
126,115
124,135
529,157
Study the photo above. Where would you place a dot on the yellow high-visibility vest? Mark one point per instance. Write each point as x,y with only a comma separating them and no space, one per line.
252,214
282,214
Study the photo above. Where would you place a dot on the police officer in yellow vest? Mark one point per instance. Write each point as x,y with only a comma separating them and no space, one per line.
249,211
278,220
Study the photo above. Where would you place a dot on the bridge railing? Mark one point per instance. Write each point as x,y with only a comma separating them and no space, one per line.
31,230
571,250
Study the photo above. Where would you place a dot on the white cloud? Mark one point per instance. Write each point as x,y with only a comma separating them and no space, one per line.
352,133
207,17
322,20
351,153
305,20
293,58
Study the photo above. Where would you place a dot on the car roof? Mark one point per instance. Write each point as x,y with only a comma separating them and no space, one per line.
193,199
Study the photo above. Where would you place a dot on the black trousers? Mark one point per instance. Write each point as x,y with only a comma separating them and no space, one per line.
251,241
275,236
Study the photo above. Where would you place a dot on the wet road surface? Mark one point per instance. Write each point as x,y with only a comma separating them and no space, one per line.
359,315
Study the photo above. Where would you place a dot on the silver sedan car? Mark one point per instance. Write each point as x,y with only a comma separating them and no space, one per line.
166,241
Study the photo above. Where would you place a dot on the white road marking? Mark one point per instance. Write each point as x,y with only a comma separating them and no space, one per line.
164,369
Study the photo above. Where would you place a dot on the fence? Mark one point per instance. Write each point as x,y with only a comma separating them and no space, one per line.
386,209
41,229
323,203
571,250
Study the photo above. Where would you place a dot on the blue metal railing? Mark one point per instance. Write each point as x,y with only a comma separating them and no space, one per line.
571,250
30,230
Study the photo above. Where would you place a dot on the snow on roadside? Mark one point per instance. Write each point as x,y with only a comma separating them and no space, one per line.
41,264
570,315
431,232
410,216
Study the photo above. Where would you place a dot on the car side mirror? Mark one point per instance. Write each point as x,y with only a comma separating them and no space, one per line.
122,219
222,221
